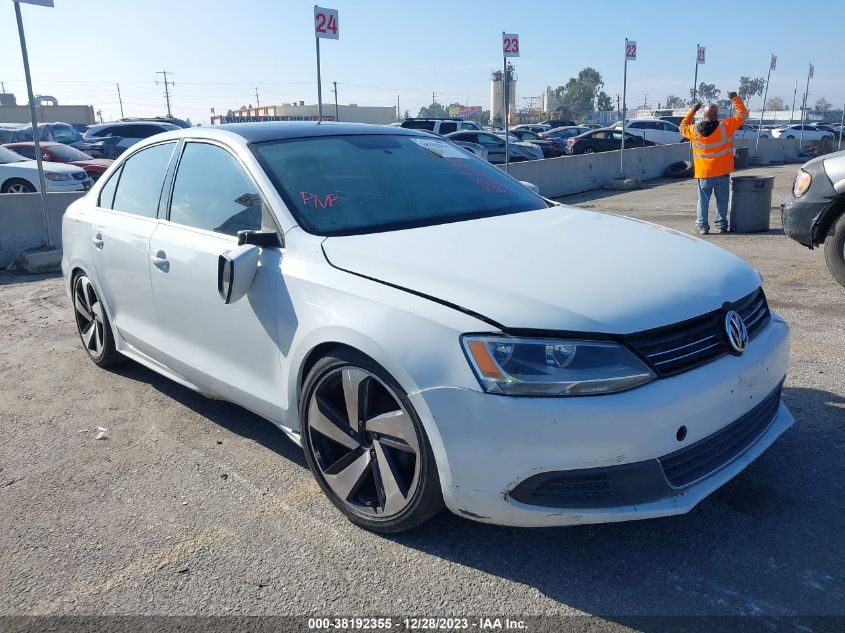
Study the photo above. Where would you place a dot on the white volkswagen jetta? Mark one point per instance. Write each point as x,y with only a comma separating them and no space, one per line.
427,328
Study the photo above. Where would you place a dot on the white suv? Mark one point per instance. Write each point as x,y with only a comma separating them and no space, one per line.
654,130
440,126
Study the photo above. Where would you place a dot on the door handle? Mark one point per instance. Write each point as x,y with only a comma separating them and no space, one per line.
160,261
98,240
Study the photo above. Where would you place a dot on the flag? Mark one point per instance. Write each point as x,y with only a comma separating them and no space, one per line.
773,62
811,71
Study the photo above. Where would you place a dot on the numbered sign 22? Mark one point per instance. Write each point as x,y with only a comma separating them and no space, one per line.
325,23
630,50
510,44
700,56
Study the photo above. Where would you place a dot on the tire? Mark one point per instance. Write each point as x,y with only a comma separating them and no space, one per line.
92,323
679,169
17,185
380,470
588,150
790,136
834,250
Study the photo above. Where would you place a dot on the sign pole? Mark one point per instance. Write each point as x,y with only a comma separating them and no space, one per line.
319,85
763,109
624,111
804,110
841,125
505,110
695,81
34,118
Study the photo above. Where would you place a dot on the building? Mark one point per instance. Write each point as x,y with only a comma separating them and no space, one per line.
497,96
11,112
298,111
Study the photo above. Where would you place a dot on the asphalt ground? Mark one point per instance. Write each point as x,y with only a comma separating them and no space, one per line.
196,506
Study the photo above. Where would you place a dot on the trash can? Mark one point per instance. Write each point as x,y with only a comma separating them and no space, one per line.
751,203
740,157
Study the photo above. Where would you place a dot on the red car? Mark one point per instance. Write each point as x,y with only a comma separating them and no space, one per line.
61,153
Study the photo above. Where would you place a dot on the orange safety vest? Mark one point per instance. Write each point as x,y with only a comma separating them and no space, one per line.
713,155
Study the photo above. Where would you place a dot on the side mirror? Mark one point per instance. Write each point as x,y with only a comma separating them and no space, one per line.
236,269
259,238
531,186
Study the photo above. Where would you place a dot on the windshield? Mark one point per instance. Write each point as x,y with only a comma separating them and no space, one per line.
8,156
346,185
66,134
67,153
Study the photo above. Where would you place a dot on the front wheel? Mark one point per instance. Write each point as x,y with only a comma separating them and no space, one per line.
366,446
834,250
589,150
17,185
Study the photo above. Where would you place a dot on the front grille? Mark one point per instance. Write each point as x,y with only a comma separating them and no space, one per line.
677,348
80,175
708,455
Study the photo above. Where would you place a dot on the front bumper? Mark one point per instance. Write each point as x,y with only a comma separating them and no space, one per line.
487,445
801,216
68,185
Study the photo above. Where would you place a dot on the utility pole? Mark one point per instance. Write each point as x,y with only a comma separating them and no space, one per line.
100,115
432,98
804,110
398,111
336,114
794,94
3,86
120,99
257,102
167,84
617,104
645,100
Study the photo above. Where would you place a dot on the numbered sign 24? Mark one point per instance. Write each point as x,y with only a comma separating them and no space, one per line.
630,50
510,44
325,23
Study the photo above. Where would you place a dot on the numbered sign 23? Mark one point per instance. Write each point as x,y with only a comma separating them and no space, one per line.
630,50
510,44
325,23
699,59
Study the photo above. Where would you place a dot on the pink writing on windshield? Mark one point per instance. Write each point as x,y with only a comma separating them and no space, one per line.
316,201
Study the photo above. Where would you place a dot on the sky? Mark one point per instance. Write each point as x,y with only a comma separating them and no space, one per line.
219,51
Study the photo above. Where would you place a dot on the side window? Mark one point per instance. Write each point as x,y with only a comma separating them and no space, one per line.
601,135
141,180
29,152
213,192
448,126
488,140
469,126
107,192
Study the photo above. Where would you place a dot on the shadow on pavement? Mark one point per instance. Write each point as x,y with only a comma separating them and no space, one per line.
9,277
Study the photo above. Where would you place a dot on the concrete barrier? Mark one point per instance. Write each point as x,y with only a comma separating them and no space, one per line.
22,221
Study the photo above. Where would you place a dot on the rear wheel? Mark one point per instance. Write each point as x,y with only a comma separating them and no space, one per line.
366,446
16,185
834,250
588,150
92,323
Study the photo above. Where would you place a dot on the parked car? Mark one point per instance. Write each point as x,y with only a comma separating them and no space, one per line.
655,130
814,213
604,140
55,133
158,119
675,120
824,128
552,148
591,126
127,133
19,174
428,329
553,123
749,130
61,153
565,132
794,131
440,126
495,146
473,148
537,128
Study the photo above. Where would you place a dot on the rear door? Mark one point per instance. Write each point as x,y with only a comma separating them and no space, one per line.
121,227
230,349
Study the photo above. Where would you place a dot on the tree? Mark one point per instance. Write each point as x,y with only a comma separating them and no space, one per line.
603,102
435,110
749,87
484,117
579,94
775,103
706,92
822,105
673,102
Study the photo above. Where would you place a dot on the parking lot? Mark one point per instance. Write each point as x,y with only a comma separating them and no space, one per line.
192,505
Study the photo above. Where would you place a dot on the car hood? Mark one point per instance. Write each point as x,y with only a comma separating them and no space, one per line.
59,168
104,163
561,268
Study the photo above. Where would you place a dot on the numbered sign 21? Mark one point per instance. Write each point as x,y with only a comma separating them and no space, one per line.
510,44
325,23
630,50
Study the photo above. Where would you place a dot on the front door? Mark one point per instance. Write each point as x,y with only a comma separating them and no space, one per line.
228,349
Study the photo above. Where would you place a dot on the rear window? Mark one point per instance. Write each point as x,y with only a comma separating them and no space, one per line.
418,125
345,185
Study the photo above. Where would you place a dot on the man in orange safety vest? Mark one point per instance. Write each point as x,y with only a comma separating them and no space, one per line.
713,158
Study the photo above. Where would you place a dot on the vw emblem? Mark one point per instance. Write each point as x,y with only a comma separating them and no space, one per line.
736,332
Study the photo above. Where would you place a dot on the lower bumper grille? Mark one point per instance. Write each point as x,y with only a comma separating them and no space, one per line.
698,460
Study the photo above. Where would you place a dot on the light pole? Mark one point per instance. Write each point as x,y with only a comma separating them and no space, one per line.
32,115
804,110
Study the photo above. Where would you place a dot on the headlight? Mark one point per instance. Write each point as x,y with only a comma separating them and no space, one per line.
802,183
54,176
549,367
